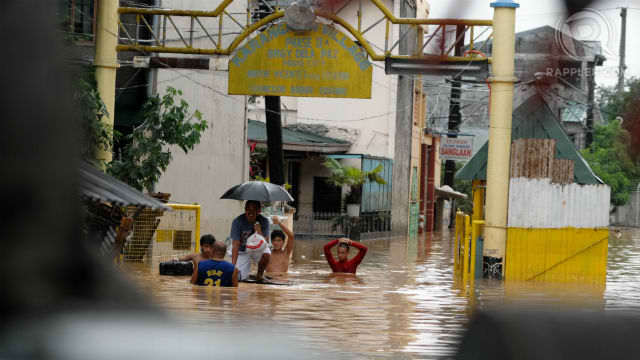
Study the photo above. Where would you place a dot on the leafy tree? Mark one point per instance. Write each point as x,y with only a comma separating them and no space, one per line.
352,177
167,122
94,135
610,159
625,106
615,152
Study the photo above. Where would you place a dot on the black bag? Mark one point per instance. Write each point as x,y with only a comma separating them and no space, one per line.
176,268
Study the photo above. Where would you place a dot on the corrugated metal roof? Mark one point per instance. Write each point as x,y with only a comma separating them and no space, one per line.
98,186
257,131
534,120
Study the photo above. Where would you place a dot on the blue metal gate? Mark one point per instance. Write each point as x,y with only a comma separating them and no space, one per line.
377,197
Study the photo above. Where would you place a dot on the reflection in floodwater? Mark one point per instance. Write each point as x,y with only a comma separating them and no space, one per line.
402,304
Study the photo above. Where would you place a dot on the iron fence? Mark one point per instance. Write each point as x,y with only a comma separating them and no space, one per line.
333,224
319,224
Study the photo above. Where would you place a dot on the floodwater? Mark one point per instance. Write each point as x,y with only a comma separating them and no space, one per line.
402,304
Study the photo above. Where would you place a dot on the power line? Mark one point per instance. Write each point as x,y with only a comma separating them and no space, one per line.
574,102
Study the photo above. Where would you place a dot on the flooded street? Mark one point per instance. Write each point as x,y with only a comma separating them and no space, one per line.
402,304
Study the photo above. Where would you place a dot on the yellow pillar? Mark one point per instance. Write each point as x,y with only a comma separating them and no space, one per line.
500,131
478,200
106,60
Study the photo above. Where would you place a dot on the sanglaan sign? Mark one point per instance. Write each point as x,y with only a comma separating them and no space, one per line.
458,149
322,62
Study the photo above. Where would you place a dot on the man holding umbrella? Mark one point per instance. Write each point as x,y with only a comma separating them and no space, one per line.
253,222
250,223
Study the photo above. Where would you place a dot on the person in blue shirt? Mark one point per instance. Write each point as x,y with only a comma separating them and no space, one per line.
215,271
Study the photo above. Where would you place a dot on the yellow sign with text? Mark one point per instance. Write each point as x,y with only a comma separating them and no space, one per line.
322,62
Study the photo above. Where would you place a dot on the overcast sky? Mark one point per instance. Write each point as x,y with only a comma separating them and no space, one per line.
603,24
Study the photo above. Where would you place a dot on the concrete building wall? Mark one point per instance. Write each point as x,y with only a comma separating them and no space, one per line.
374,134
221,159
310,168
404,130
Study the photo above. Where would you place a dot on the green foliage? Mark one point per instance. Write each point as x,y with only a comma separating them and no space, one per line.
352,177
167,122
609,158
94,135
614,105
615,152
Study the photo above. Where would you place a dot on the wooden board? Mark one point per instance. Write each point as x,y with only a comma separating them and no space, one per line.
267,281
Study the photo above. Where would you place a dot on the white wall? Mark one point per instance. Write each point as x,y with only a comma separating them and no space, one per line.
221,159
308,170
538,203
376,134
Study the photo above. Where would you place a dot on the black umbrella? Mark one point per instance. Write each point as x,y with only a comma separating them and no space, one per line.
258,191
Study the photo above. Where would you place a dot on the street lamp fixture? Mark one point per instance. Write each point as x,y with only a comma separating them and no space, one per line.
300,16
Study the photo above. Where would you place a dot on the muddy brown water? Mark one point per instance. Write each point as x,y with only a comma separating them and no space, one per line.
403,303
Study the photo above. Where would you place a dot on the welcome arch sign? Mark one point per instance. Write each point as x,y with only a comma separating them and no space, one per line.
322,62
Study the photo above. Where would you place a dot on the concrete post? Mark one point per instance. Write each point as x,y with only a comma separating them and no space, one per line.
106,61
500,135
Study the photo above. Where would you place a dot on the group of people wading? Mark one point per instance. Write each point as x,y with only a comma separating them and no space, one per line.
248,231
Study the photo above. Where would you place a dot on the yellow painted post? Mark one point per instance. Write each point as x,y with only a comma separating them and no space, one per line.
478,199
419,41
195,208
476,225
386,37
220,19
466,238
198,229
456,244
500,130
106,62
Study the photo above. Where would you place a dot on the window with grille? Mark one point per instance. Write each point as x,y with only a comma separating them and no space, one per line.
77,17
326,197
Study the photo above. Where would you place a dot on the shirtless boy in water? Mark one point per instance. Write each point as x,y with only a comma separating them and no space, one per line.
206,245
280,255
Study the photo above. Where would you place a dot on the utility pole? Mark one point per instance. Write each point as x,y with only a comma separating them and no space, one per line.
454,111
623,41
591,98
273,114
274,139
106,62
454,120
